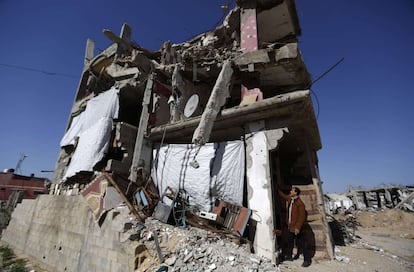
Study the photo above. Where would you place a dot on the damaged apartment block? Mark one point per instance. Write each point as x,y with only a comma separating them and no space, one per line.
218,121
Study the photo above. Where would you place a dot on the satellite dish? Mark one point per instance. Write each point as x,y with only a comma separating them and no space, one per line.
191,105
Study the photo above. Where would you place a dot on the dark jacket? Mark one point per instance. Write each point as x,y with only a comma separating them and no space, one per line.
298,216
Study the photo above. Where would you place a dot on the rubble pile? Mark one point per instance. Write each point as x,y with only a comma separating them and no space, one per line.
194,249
164,246
343,231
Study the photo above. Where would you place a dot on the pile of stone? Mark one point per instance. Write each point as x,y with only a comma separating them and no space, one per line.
194,249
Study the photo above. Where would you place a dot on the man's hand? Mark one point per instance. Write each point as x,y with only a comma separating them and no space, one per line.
278,232
282,186
297,231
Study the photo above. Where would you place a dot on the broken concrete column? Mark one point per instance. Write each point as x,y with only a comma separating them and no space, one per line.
140,143
177,82
259,188
217,100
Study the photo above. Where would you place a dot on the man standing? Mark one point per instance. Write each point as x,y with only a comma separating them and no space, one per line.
295,218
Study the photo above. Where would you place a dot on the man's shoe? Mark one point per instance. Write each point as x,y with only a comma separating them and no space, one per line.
306,264
286,258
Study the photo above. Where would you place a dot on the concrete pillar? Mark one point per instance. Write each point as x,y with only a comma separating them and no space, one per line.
355,200
364,194
378,199
140,141
259,188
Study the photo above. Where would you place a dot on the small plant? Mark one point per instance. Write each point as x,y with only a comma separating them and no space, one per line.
10,262
7,253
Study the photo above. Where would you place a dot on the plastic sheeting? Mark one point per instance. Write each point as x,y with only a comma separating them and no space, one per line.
93,127
220,173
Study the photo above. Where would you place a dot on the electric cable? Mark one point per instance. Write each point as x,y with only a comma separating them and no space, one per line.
327,71
36,70
317,103
317,79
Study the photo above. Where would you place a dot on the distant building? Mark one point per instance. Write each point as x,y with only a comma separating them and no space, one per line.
380,197
334,202
31,185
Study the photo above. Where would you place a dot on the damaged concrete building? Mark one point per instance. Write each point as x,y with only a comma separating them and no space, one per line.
377,198
225,116
381,197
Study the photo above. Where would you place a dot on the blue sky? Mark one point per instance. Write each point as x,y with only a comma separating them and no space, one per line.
365,103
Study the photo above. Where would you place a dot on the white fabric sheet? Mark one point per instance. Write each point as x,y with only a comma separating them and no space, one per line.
91,148
105,105
93,127
74,130
220,173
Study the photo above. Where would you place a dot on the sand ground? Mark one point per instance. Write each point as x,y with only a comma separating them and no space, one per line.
384,241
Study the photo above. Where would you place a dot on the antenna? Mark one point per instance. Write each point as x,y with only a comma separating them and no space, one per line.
19,163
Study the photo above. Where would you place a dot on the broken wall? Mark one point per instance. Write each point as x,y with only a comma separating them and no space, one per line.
61,233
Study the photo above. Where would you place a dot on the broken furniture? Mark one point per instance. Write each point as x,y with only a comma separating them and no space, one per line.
232,217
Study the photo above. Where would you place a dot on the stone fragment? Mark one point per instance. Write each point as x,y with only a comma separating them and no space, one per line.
212,266
164,239
198,256
128,226
255,260
342,259
188,257
170,261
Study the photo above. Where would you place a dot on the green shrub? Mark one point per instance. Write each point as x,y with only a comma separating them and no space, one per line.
10,262
7,253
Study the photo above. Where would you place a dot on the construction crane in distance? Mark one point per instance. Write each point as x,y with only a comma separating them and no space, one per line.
19,163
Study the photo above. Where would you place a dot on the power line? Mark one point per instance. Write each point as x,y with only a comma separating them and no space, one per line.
318,78
36,70
327,71
317,102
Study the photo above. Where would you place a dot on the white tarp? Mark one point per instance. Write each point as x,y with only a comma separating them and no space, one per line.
105,105
91,148
220,173
74,130
93,127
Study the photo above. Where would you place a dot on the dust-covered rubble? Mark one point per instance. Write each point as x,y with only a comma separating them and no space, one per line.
194,249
